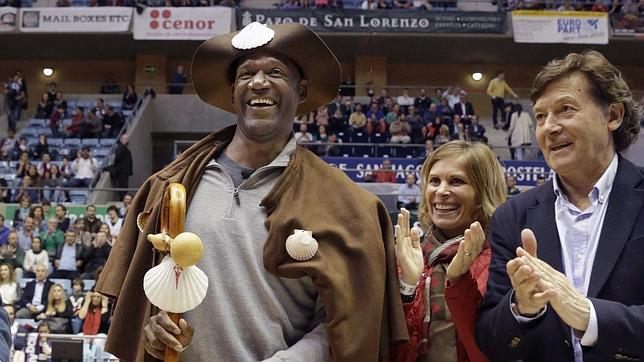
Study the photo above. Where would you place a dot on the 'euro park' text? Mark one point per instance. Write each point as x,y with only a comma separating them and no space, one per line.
568,26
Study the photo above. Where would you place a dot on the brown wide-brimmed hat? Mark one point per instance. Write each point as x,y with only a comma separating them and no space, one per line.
212,61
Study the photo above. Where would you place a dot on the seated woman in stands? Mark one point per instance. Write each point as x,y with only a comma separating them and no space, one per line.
53,182
94,314
23,211
78,125
45,107
462,185
59,309
26,189
9,288
129,98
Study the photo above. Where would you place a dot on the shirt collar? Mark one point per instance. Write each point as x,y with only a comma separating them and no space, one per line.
601,189
282,158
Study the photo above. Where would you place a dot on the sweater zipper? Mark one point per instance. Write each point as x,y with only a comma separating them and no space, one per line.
236,195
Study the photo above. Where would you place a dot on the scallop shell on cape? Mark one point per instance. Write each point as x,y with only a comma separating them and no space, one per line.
175,289
301,245
252,36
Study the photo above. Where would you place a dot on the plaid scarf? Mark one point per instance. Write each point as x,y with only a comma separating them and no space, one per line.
438,326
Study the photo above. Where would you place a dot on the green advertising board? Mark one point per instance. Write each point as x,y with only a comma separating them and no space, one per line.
73,211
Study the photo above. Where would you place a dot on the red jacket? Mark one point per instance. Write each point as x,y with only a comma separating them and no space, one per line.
463,299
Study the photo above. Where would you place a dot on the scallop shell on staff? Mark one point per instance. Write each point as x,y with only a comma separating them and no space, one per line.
173,288
301,245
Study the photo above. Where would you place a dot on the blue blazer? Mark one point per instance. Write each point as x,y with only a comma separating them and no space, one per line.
616,286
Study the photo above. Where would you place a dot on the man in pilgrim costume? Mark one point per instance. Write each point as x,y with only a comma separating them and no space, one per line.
249,187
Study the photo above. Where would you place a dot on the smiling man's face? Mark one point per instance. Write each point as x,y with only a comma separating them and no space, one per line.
267,90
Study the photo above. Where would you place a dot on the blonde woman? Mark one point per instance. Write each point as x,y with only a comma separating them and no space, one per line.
58,306
443,278
9,288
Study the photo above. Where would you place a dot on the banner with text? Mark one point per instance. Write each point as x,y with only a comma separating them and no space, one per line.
627,24
386,21
577,27
106,19
182,23
8,17
526,172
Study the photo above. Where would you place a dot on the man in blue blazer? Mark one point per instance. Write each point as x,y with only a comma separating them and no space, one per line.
34,295
579,296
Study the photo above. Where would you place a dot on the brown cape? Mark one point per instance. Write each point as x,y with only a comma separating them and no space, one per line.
354,270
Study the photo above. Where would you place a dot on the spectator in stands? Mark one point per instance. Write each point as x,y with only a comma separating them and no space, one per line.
106,229
357,120
338,121
322,116
385,173
45,164
95,314
56,120
8,146
37,255
4,231
96,255
66,168
599,6
59,310
18,332
456,128
43,349
129,98
100,109
403,4
177,81
77,298
78,126
60,103
61,217
84,168
321,134
416,123
109,85
541,180
40,223
46,208
5,192
25,232
332,149
127,201
9,288
53,237
91,222
22,166
393,114
497,90
443,136
114,221
520,131
400,130
16,100
409,193
112,123
446,274
384,4
444,109
51,92
34,295
22,212
464,109
337,104
369,5
422,102
121,170
93,126
69,258
53,183
511,184
452,94
405,100
303,135
12,253
27,186
83,236
476,130
45,107
427,151
431,129
431,113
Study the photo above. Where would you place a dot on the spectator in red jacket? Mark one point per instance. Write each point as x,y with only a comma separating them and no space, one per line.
462,186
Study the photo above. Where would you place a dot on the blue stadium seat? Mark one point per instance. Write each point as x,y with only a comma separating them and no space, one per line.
89,284
84,103
101,152
128,113
378,138
107,141
55,142
90,142
78,196
72,142
32,141
37,122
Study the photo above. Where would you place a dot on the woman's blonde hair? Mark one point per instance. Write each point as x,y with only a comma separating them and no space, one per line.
483,171
12,274
56,306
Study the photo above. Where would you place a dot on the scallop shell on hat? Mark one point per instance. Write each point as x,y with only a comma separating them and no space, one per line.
301,245
175,289
252,36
